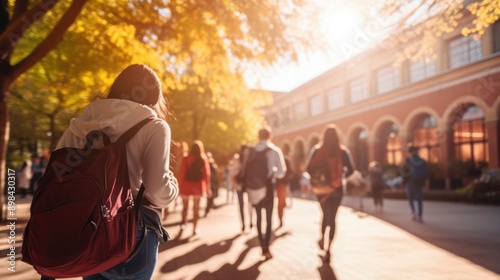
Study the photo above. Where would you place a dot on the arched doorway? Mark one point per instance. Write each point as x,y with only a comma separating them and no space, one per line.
299,156
468,140
424,135
286,149
359,149
389,147
313,142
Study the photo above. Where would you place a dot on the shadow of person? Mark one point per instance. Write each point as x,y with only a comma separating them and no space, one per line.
231,271
172,243
326,271
254,242
197,255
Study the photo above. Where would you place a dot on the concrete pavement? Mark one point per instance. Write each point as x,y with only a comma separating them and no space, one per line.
456,241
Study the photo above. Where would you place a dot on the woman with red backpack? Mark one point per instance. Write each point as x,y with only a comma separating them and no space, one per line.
327,164
194,182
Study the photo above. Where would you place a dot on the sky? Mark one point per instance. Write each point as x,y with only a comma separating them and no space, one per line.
347,33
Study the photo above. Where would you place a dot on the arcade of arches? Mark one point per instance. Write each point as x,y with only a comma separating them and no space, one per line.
457,145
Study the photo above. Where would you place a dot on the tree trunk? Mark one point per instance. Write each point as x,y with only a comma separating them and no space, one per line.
9,36
4,132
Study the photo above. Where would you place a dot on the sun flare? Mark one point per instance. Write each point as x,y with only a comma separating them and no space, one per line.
340,23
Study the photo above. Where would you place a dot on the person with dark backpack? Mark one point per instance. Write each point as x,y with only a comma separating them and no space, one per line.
262,165
415,173
96,210
194,182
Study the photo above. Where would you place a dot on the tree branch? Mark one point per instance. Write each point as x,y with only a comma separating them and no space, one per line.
16,29
51,41
20,8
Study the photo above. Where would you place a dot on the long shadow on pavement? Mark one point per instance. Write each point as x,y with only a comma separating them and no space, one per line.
326,271
197,255
230,271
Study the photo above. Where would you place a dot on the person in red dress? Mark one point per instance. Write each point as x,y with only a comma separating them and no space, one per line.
194,182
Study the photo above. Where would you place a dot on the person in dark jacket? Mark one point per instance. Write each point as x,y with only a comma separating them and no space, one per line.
376,179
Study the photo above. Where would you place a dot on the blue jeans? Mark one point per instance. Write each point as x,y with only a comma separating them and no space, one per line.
414,190
140,267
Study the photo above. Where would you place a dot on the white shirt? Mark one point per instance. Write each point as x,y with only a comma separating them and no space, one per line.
275,159
275,165
148,152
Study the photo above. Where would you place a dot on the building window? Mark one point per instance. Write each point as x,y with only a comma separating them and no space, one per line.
359,89
470,139
300,111
273,120
496,36
420,70
394,155
335,98
316,105
387,79
464,50
425,137
280,118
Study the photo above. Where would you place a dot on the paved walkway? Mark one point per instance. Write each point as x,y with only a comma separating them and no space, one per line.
456,241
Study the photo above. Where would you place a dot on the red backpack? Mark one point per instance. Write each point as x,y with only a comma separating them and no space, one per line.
83,215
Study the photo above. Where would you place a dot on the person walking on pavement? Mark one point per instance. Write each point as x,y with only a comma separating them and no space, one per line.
178,150
23,178
234,171
231,188
214,183
282,189
377,183
37,169
263,164
327,164
305,185
148,153
194,182
415,174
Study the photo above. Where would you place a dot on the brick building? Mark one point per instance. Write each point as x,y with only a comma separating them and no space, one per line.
449,107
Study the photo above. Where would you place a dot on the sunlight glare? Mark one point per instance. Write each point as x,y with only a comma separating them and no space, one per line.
340,23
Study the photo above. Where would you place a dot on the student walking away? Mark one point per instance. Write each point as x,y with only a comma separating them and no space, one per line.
37,169
327,163
214,183
23,178
231,188
377,183
178,150
263,164
123,143
194,182
305,185
282,186
415,173
236,181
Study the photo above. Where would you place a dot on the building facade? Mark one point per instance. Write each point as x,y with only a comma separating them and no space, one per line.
448,106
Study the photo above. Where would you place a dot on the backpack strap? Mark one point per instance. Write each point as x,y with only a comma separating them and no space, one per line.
127,135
